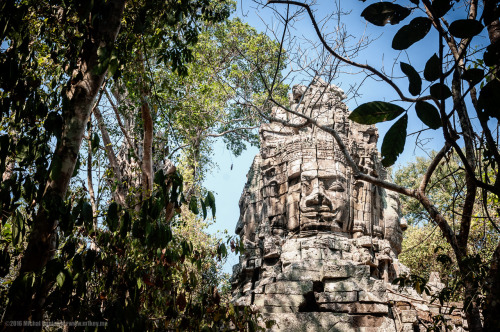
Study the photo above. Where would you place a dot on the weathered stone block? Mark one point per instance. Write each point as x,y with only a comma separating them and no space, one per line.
279,300
341,286
408,316
311,253
303,270
290,246
291,256
244,300
289,287
381,323
365,296
356,308
336,297
274,309
312,322
332,271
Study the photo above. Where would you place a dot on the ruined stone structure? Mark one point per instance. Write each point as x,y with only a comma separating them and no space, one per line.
320,247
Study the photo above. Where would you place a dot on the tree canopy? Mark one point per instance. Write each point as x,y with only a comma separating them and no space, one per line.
109,110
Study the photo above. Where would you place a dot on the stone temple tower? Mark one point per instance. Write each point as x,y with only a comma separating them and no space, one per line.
321,248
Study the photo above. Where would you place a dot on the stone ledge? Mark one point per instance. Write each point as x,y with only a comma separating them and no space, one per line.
336,297
289,287
356,308
278,300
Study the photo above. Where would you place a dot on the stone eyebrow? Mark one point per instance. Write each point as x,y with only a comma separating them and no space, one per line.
338,177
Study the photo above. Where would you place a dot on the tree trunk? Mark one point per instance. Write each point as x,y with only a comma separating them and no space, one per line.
80,95
119,195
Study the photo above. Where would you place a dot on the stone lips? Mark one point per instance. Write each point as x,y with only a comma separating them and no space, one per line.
320,247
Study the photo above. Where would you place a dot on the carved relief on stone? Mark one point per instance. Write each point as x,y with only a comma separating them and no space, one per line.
315,238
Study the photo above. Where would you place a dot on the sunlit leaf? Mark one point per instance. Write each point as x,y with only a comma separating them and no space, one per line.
203,208
394,141
61,277
193,205
381,13
95,142
413,77
375,112
428,114
210,201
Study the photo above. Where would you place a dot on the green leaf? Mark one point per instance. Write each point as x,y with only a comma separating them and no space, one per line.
55,167
60,279
414,78
381,13
428,114
432,69
489,99
17,229
465,28
159,178
375,112
394,141
125,225
210,201
411,33
95,142
193,205
441,7
203,208
440,91
112,216
87,213
473,75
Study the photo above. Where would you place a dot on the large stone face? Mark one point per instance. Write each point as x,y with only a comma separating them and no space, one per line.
320,247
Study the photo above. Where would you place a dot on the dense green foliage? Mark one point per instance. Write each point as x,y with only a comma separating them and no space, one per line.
99,103
424,248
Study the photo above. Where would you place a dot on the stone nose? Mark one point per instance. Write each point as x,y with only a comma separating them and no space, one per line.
317,197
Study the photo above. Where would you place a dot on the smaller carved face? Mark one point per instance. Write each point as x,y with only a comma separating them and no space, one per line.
323,203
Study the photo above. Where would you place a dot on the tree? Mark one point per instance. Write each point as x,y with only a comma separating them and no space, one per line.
462,75
116,254
424,248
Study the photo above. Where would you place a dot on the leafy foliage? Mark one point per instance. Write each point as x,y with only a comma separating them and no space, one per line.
381,13
144,262
428,114
414,78
375,111
394,141
411,33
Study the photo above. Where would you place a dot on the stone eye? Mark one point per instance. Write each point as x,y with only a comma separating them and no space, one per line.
336,186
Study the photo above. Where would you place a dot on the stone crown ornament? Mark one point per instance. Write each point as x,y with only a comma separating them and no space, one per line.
321,248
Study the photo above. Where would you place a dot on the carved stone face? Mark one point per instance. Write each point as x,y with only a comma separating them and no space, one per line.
324,201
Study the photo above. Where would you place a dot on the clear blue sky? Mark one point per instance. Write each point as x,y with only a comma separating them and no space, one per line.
228,183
